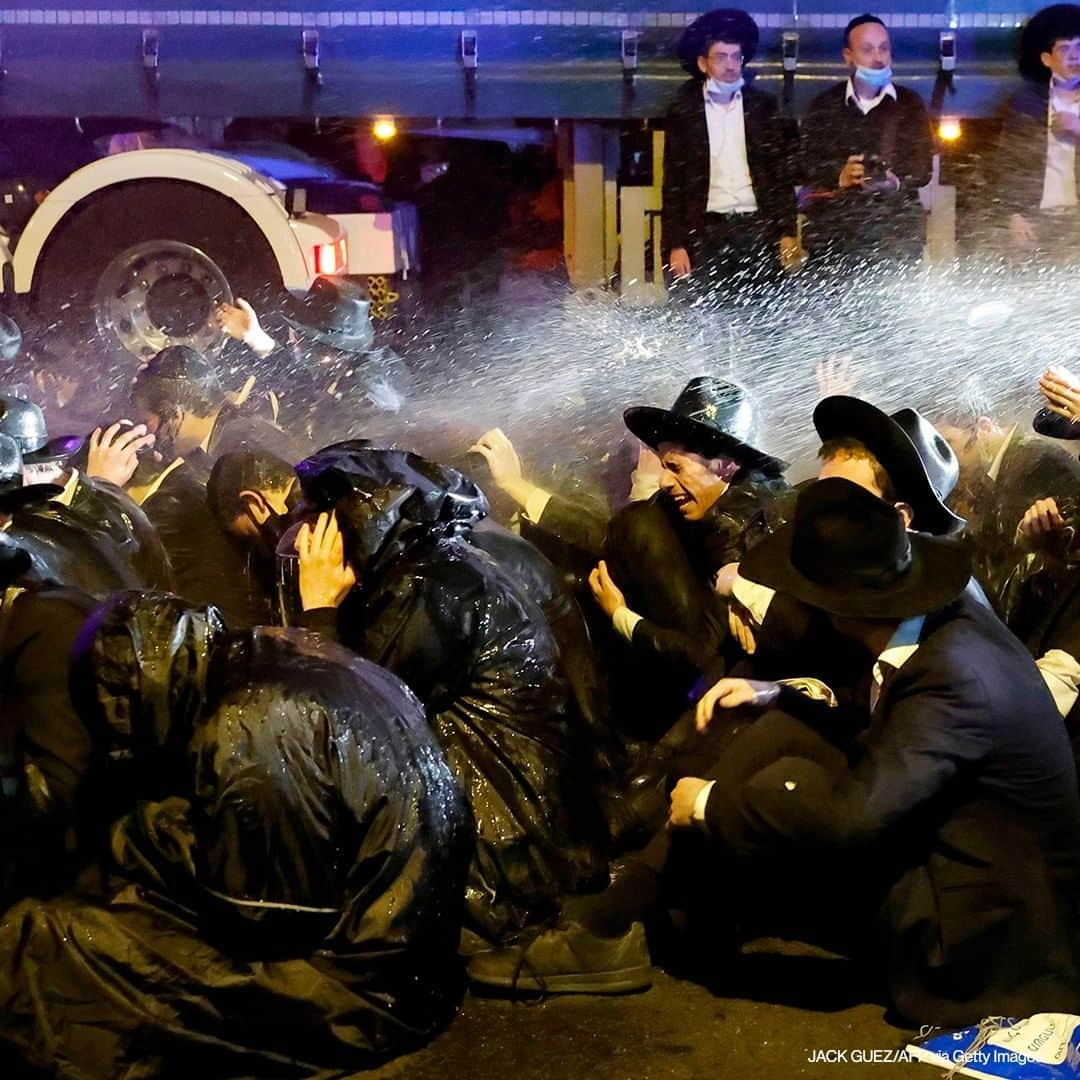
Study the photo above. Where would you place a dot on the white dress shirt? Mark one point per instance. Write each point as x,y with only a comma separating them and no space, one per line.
731,190
1059,180
866,104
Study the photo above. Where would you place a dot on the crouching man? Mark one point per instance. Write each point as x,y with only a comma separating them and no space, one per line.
282,893
959,803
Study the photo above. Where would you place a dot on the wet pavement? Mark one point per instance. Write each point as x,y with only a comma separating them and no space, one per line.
799,1013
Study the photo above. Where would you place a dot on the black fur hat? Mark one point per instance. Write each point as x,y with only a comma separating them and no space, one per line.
723,24
1059,22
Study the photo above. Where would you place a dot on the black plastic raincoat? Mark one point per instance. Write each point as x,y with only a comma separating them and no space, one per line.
106,507
67,549
287,888
478,653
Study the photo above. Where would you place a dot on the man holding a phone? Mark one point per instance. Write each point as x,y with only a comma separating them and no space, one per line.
868,149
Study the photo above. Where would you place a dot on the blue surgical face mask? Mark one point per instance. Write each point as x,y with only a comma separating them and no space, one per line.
714,86
878,78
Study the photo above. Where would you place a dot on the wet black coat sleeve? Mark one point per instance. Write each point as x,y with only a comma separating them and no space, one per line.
930,737
577,523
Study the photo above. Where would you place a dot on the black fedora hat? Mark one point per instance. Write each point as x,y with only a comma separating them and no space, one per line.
723,24
13,493
848,553
1055,426
24,422
1058,22
711,417
920,463
336,313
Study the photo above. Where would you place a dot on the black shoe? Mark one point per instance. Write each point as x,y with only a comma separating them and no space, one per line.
567,959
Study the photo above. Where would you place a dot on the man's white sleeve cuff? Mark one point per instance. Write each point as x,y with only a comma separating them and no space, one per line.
1061,673
259,341
701,802
754,597
624,621
536,504
814,689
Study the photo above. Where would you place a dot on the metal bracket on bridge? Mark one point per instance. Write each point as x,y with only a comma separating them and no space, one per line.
470,61
309,50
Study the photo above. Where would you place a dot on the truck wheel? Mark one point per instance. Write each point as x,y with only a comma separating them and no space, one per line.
145,264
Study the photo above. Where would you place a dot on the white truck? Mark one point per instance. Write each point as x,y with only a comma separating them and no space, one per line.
143,244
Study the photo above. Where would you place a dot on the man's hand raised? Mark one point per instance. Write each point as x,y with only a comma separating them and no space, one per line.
325,577
113,454
730,694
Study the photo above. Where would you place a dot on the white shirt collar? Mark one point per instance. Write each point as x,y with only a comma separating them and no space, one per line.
902,646
866,104
995,466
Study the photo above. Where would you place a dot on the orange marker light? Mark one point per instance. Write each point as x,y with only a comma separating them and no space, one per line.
384,128
949,129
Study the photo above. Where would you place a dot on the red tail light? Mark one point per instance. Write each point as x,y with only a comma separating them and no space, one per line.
331,258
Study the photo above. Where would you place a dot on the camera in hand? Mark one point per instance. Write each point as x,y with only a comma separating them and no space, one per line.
876,168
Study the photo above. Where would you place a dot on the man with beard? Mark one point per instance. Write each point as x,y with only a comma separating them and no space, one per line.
282,895
180,399
400,585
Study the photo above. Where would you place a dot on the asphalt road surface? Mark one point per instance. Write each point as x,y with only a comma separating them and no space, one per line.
798,1013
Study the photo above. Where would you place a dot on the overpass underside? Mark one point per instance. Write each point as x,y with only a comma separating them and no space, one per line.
564,60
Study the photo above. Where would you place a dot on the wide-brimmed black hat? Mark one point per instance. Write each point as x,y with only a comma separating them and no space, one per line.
848,553
1058,22
920,463
1055,426
336,313
14,494
24,422
723,24
711,417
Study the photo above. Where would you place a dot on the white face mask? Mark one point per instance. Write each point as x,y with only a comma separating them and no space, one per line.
726,89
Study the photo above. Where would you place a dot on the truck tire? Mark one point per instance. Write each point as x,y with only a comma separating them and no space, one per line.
133,215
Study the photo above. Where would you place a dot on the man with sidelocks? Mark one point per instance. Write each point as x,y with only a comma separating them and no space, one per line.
729,165
1032,172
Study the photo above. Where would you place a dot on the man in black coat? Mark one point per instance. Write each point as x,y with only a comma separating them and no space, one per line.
867,148
182,402
280,896
401,586
92,494
1002,472
1032,172
44,747
959,804
729,165
663,557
